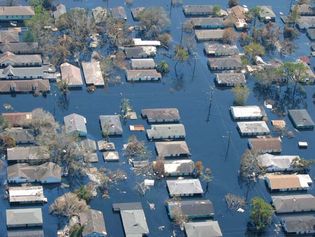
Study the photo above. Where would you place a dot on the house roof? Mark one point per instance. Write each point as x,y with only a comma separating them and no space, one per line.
119,13
230,78
265,144
276,162
191,208
209,34
305,22
10,36
25,233
301,118
266,12
93,222
20,135
201,229
208,21
18,119
287,181
174,148
89,145
220,49
111,156
198,10
21,72
146,63
27,194
140,42
112,124
24,86
182,187
24,216
28,153
304,9
19,47
17,11
299,224
75,123
166,131
161,115
92,73
147,74
238,12
140,51
100,14
245,112
226,62
293,203
179,167
71,74
253,127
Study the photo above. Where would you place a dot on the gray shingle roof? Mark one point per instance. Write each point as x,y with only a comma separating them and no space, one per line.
294,203
93,221
206,35
230,79
112,124
23,217
202,229
301,118
198,10
146,63
20,47
161,115
21,136
143,75
21,72
171,149
75,123
8,58
24,86
166,131
184,187
299,224
26,233
28,153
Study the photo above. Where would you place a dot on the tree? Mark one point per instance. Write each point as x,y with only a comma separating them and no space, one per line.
233,3
241,93
136,150
107,68
261,213
165,39
229,36
163,67
76,230
254,13
249,167
179,216
269,35
181,55
153,21
217,10
125,108
158,167
300,163
199,168
254,49
84,192
207,177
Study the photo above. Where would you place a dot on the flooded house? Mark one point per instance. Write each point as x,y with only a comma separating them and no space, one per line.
119,13
293,203
193,209
230,79
20,135
75,124
71,75
28,154
24,86
143,63
26,233
238,15
100,14
20,47
16,13
198,10
305,22
209,35
184,187
140,42
298,224
248,112
161,115
301,119
183,167
253,128
111,125
133,218
21,73
60,10
208,23
172,149
166,131
89,145
203,228
19,60
93,222
304,9
105,146
11,36
27,194
24,217
288,182
143,75
273,163
140,51
219,50
225,63
111,156
135,12
311,34
18,119
265,144
24,173
266,14
92,73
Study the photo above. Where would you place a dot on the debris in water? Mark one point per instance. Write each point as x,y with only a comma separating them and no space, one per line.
7,106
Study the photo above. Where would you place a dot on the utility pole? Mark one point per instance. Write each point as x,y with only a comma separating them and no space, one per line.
195,54
210,104
228,145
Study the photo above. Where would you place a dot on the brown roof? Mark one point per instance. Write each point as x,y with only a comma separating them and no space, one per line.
284,181
10,36
238,12
35,85
18,119
71,74
17,11
265,144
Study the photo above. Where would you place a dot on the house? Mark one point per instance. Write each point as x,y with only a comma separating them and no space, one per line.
35,86
24,173
208,23
105,146
28,154
183,167
89,145
272,163
225,63
311,34
230,79
266,14
10,36
21,73
20,135
147,63
238,16
26,233
288,182
24,217
16,13
184,187
99,14
253,128
18,60
218,50
161,115
111,156
304,9
198,10
301,119
133,219
135,12
172,149
93,222
140,51
143,75
119,13
167,131
28,194
75,124
265,144
249,112
92,73
111,125
205,228
60,10
20,47
305,22
18,119
137,128
209,35
140,42
299,225
293,203
192,209
71,75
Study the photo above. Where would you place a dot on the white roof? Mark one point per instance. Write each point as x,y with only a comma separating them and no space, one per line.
280,162
140,42
24,194
243,112
253,127
305,180
172,166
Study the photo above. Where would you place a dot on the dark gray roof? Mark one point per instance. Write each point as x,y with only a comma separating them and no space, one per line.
28,153
217,49
20,47
301,118
231,62
207,35
184,187
89,145
23,217
172,149
166,131
160,115
25,233
212,22
111,124
21,136
21,72
143,75
299,224
191,208
198,10
75,123
8,58
93,221
146,63
24,86
230,79
202,229
140,51
294,203
119,13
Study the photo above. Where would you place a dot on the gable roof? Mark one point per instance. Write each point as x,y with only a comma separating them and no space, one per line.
21,72
93,221
166,131
179,167
25,216
301,118
13,59
174,148
294,203
17,11
28,153
299,224
279,163
18,119
202,229
71,74
10,36
265,144
20,47
75,123
159,115
183,187
112,124
24,86
92,73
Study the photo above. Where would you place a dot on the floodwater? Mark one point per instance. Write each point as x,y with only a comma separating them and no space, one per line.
207,132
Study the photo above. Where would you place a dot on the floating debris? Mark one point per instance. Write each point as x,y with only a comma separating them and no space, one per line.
7,106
